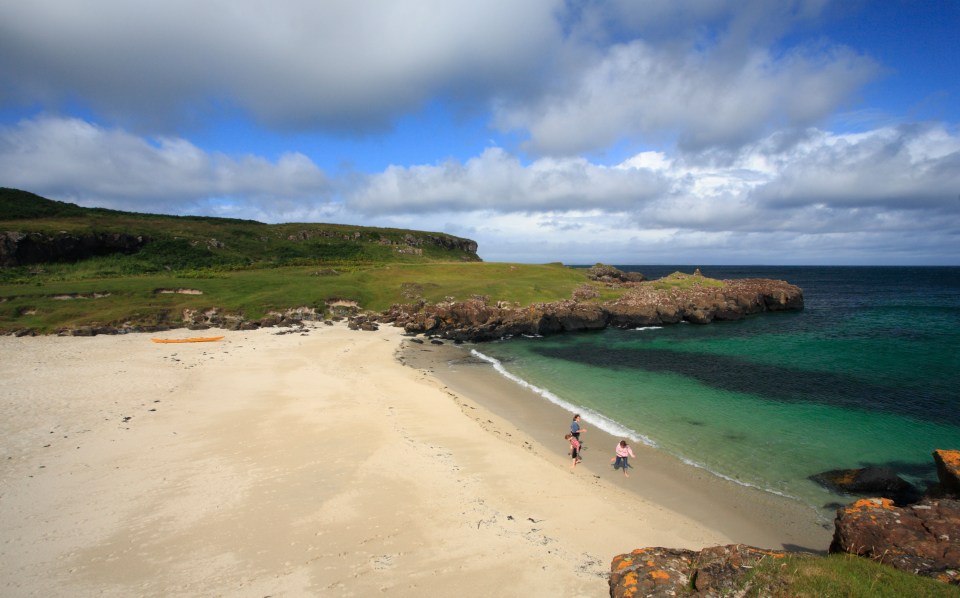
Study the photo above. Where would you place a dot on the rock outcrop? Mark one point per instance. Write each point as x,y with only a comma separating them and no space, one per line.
923,538
476,320
715,571
22,249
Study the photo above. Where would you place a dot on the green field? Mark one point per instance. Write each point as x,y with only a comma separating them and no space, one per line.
46,305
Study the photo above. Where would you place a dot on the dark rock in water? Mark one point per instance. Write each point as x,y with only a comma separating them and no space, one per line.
714,571
436,342
923,538
419,341
948,471
869,481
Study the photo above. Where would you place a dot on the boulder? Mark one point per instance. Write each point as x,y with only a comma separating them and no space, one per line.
948,471
923,538
869,481
714,571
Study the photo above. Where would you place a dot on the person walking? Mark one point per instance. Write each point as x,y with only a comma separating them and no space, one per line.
574,450
623,452
576,429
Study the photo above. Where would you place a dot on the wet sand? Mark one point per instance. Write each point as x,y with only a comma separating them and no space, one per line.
744,514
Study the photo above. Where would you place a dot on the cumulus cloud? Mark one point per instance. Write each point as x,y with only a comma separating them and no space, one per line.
498,181
636,90
72,160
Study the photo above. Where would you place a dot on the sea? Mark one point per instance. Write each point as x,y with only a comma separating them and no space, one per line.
867,374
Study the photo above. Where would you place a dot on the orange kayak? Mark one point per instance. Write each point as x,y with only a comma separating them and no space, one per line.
201,339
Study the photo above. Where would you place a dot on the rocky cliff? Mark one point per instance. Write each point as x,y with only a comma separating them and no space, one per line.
26,248
640,305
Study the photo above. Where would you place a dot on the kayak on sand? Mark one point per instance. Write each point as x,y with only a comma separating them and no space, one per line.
204,339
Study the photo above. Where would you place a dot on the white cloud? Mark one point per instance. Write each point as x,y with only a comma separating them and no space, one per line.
498,181
72,160
702,97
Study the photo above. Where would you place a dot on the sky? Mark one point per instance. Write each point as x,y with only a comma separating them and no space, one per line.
788,132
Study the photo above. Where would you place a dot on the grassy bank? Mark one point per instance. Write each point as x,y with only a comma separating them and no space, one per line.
804,576
49,302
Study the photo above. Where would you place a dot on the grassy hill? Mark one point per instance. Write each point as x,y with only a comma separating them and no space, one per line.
238,266
176,243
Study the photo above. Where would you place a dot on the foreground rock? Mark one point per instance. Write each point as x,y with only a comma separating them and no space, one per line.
923,538
641,305
715,571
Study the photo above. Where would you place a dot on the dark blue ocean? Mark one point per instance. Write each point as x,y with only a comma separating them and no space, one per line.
867,374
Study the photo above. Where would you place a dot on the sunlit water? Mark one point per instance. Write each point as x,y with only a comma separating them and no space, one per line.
867,374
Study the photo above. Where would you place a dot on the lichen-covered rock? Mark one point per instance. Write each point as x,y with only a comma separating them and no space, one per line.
923,538
714,571
948,470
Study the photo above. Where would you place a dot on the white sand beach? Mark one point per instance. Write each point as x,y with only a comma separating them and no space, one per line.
316,464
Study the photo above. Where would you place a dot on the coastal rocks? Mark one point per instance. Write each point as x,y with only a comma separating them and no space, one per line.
923,538
611,275
714,571
640,305
948,471
869,481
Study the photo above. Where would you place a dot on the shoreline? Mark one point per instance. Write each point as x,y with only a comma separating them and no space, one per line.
311,462
745,514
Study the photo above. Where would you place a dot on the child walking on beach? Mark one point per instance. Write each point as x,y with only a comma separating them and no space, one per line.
623,451
574,449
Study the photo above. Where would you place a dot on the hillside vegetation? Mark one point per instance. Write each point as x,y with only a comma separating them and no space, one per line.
127,243
236,266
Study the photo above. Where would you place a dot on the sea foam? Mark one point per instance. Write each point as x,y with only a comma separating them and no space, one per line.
587,415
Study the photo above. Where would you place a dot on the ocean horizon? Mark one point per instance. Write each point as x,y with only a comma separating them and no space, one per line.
867,374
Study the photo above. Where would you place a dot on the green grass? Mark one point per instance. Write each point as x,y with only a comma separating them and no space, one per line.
176,243
255,292
840,575
679,280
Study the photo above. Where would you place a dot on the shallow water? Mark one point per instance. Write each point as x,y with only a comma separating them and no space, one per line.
868,373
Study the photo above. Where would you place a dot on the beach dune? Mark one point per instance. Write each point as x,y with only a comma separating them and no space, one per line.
306,463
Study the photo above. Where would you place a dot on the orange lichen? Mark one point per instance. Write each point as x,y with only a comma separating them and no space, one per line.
629,585
650,563
623,563
659,574
951,458
865,504
773,553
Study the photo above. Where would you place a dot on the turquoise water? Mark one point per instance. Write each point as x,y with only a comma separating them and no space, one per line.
867,374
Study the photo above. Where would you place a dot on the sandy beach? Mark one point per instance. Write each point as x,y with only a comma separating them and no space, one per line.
324,462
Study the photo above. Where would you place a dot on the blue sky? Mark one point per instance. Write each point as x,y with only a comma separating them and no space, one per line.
617,131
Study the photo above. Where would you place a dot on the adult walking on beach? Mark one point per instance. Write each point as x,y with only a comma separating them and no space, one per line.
623,452
576,429
574,450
